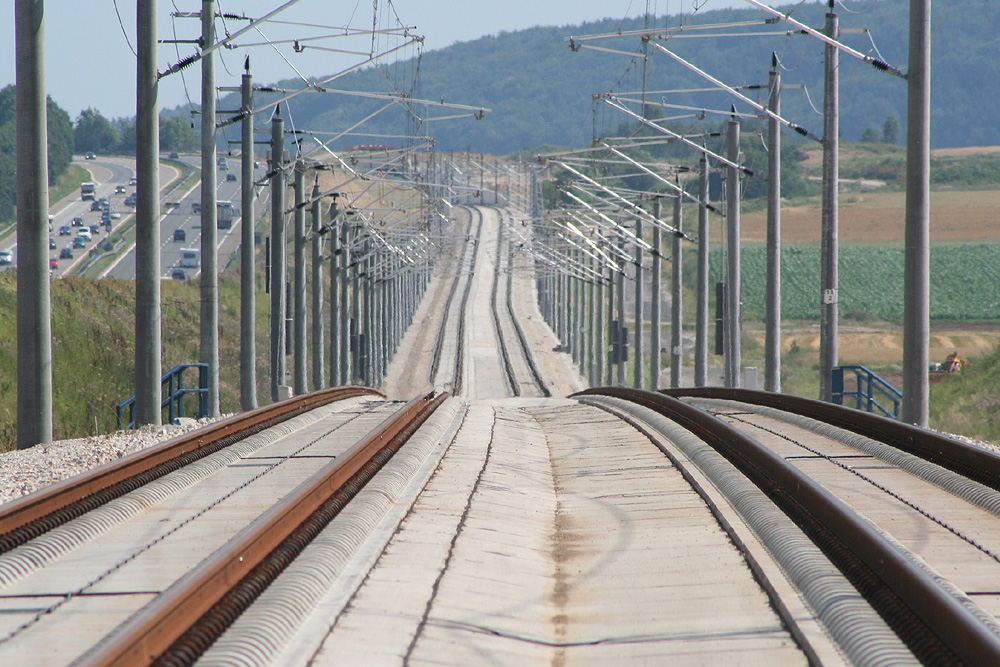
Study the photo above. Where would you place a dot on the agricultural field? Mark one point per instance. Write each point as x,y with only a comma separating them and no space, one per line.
965,282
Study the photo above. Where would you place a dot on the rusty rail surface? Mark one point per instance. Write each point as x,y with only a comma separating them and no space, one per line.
26,518
973,462
178,625
930,620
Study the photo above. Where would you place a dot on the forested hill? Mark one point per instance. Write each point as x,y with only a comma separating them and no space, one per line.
540,91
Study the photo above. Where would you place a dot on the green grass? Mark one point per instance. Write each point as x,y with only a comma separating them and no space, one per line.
964,281
969,402
93,347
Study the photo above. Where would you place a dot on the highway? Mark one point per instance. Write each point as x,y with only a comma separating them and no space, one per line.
178,214
111,173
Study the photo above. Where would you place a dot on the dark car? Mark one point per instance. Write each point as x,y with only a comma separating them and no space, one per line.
79,242
120,190
66,253
52,243
180,235
130,200
91,156
174,155
94,229
65,230
95,205
178,274
230,176
77,221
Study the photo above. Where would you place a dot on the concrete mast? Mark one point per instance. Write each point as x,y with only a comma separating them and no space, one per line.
34,321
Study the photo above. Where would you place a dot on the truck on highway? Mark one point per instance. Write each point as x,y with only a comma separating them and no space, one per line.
190,258
224,214
87,191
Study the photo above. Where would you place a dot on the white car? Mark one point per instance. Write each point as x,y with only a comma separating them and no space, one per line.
84,232
6,257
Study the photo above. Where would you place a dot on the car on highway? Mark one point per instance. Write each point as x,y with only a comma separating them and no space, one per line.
174,155
52,243
78,221
114,215
95,205
66,253
130,200
6,257
53,263
95,229
120,190
65,230
79,242
178,274
91,156
230,176
133,181
84,232
180,235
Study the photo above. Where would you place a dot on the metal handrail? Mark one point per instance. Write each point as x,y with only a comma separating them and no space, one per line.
870,387
172,391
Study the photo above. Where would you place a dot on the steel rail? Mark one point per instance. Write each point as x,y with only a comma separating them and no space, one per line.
443,328
976,463
187,617
463,307
28,517
505,361
933,623
529,358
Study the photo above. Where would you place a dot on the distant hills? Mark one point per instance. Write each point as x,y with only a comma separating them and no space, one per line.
540,91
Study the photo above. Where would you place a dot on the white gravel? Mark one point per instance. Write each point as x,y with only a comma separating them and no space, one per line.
27,470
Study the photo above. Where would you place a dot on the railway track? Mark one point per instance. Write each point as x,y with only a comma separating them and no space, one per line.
908,518
144,537
447,359
520,370
617,526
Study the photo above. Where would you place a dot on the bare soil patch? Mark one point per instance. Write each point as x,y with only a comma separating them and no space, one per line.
881,344
878,217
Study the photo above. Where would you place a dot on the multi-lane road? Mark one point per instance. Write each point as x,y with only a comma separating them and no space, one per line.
111,174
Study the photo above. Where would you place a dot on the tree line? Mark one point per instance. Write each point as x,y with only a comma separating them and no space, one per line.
92,133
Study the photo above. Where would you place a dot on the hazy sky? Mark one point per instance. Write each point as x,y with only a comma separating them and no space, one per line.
89,61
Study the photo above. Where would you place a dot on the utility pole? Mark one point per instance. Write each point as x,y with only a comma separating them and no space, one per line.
209,230
612,331
829,251
637,360
318,370
654,300
701,309
622,331
356,369
147,216
600,345
34,315
676,303
732,338
916,292
345,303
772,316
299,322
277,286
248,285
335,312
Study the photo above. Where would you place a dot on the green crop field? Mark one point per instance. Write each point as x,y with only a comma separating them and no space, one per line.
965,282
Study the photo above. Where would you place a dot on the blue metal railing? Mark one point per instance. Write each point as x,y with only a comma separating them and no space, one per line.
173,391
870,389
